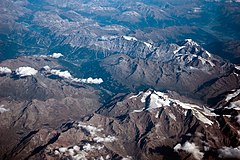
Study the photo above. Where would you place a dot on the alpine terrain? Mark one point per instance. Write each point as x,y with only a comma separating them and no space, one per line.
119,80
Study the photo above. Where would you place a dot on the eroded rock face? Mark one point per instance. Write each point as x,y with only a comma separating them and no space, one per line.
155,125
48,112
29,27
186,68
126,85
37,105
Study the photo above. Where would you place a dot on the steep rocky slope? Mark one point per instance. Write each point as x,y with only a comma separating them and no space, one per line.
37,104
186,68
32,27
127,83
47,112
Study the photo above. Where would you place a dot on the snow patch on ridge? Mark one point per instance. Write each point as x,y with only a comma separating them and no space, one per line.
205,61
138,110
191,42
237,67
160,99
178,49
148,44
234,105
157,102
202,59
209,54
2,109
171,115
157,114
144,96
135,96
232,95
129,38
5,70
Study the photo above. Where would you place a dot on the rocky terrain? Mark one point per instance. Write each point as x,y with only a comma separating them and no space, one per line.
191,112
119,80
99,27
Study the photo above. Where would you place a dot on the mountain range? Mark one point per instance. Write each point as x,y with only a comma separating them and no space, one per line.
119,80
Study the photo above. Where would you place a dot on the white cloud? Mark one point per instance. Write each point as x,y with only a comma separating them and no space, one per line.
26,71
47,68
43,56
91,129
89,80
80,156
105,139
190,148
56,55
93,81
63,74
71,151
5,70
89,147
76,152
67,75
76,148
63,149
229,152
